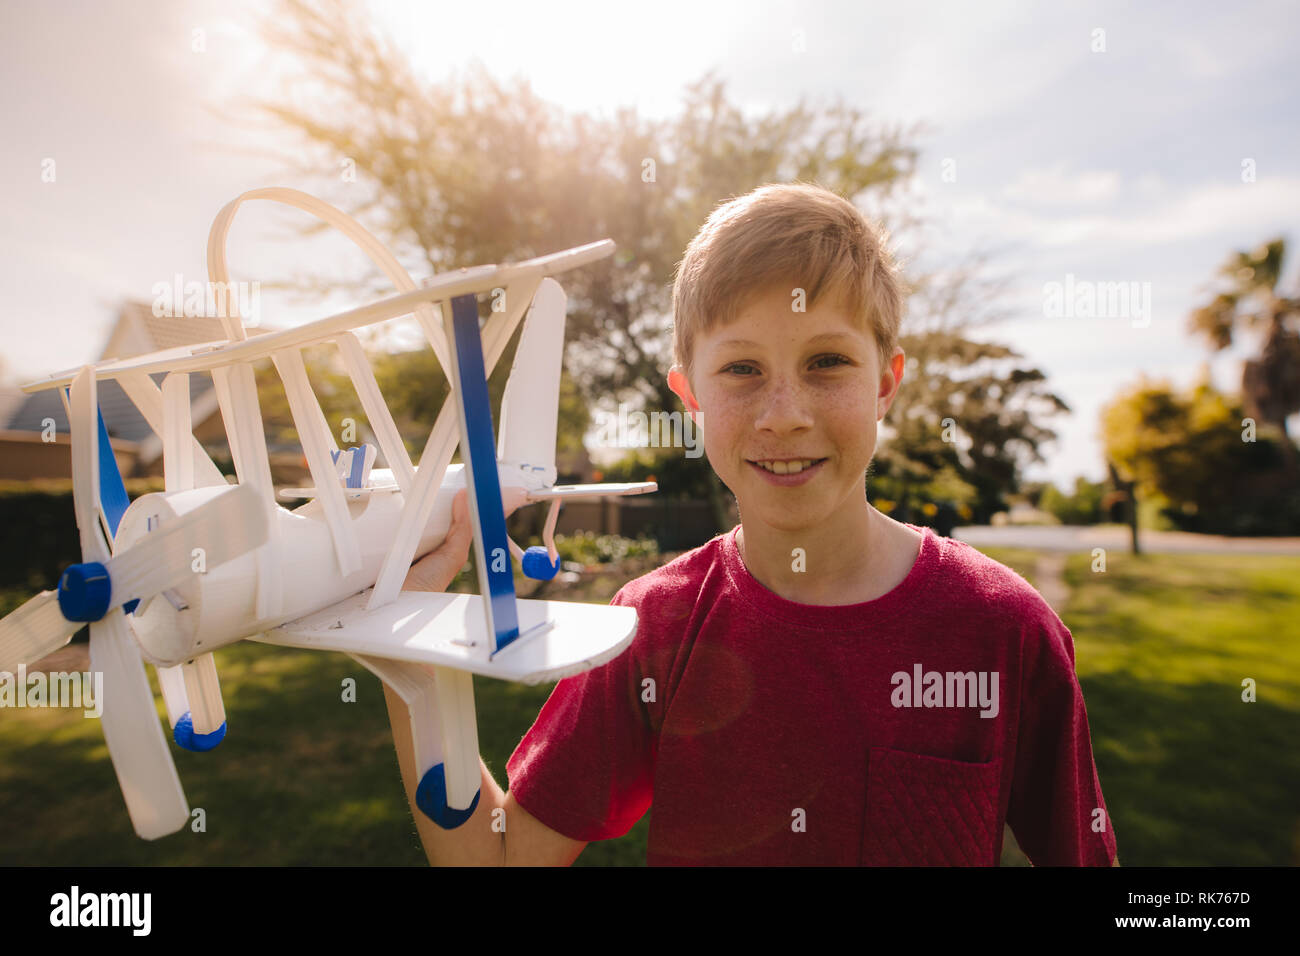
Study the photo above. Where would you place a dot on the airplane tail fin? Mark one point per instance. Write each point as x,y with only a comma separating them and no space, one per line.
531,405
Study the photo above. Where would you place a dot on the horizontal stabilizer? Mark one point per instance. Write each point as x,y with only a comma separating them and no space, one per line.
557,638
594,491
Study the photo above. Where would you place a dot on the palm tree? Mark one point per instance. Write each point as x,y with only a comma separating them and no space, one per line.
1270,384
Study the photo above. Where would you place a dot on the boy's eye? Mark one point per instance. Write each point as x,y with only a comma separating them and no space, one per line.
834,360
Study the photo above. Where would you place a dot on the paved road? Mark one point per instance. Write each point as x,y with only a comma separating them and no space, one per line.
1085,538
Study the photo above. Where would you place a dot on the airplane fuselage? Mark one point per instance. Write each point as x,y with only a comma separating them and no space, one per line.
217,607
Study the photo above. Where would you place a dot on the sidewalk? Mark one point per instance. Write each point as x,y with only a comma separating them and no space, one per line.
1075,538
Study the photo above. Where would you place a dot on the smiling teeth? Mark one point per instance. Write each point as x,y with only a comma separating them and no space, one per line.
785,468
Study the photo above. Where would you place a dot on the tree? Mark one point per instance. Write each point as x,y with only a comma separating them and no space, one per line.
1191,450
1083,506
1270,384
472,171
965,405
1125,493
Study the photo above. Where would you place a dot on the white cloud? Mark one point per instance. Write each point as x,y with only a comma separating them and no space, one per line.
1206,210
1197,58
1059,186
1151,186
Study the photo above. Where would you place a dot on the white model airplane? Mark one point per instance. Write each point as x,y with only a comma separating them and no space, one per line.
177,575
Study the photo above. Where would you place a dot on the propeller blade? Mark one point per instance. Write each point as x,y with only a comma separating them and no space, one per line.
34,630
39,626
231,524
141,760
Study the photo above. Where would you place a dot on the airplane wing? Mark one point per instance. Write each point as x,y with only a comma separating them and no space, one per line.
195,358
556,639
384,484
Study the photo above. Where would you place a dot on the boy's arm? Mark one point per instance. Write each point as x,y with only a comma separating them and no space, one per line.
526,841
1056,811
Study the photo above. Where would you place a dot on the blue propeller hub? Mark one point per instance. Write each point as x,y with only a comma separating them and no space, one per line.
84,592
537,564
185,737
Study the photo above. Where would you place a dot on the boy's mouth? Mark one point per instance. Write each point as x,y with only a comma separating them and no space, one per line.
785,466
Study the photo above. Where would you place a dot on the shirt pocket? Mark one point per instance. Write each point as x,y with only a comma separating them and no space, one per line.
930,811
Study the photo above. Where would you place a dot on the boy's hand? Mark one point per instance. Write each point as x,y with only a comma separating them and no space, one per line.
437,569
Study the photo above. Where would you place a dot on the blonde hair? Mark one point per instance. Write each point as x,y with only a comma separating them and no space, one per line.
795,232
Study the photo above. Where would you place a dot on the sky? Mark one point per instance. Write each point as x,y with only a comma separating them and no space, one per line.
1076,144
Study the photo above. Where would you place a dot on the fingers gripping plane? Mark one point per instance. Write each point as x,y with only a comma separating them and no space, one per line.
174,576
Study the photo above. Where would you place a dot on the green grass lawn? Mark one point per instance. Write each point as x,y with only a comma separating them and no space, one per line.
1192,774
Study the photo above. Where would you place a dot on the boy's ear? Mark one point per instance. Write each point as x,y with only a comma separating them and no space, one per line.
890,380
682,388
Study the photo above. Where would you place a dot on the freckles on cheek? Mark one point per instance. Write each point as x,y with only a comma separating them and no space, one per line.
717,433
846,408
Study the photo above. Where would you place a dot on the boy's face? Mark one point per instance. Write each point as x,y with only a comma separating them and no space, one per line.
782,386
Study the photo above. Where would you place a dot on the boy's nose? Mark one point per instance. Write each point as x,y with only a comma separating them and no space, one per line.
784,408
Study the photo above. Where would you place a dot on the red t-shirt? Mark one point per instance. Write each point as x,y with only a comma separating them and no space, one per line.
900,731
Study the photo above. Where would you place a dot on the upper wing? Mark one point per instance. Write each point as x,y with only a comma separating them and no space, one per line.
556,639
440,288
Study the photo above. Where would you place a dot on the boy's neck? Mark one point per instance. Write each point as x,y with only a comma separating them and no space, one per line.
845,561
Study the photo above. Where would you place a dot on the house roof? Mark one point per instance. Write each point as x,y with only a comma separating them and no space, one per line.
167,332
139,332
11,399
121,417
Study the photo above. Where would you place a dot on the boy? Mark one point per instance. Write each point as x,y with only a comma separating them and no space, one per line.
822,684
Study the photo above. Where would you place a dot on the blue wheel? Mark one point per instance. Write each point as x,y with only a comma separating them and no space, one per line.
431,798
537,564
187,739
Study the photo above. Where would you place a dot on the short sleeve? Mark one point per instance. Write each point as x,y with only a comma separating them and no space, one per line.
585,768
1056,810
